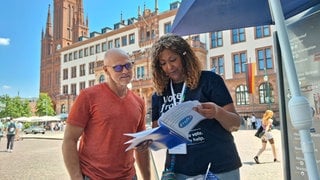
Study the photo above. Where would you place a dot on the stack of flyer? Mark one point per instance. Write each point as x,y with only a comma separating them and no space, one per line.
173,130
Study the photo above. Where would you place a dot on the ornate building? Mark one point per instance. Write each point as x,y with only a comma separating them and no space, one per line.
72,59
68,27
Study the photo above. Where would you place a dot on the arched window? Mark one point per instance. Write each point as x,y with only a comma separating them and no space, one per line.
63,108
242,95
266,93
101,79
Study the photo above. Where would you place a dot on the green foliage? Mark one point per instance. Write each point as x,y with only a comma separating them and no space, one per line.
26,125
14,107
44,105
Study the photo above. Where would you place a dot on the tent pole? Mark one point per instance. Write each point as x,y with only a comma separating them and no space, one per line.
299,107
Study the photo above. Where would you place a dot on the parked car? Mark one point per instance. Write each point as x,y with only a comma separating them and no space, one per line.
35,130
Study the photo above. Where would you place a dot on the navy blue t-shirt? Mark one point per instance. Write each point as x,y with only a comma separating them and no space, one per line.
210,141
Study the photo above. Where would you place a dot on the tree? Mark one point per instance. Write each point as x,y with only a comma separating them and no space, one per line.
14,107
44,105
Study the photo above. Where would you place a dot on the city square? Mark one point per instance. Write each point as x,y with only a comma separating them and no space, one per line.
39,157
255,61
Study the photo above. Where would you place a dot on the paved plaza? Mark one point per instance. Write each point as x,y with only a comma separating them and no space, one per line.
39,157
248,145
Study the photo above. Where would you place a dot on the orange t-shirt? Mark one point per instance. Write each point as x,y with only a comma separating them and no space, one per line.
105,118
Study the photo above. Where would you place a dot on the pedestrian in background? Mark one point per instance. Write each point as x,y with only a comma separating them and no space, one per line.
1,129
267,126
249,123
101,115
19,130
253,121
178,77
11,131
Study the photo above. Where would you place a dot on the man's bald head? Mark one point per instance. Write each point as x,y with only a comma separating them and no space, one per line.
113,54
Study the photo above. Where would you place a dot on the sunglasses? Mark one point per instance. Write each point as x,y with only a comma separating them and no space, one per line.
119,67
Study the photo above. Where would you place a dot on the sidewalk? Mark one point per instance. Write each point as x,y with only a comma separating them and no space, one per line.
55,135
248,145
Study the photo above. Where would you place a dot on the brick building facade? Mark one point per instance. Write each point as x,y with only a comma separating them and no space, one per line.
71,57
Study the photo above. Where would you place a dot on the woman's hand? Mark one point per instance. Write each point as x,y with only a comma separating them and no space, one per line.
207,109
226,115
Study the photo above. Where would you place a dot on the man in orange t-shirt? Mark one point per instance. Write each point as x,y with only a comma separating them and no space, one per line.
101,115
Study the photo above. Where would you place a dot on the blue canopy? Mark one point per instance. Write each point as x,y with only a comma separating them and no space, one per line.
201,16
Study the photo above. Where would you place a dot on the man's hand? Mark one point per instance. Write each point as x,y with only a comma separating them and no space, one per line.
144,145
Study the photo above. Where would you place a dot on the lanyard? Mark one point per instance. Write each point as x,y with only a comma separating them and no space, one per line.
174,95
172,156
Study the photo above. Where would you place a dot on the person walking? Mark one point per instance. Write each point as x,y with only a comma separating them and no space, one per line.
11,131
178,77
253,121
267,126
19,130
100,117
249,123
1,130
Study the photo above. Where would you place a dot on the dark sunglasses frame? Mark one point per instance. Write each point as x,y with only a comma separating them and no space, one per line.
119,67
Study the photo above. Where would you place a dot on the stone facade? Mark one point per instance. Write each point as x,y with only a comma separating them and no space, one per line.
60,55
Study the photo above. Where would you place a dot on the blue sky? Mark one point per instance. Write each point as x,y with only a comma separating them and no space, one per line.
21,24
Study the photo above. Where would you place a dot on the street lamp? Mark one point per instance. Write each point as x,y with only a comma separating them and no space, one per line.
268,95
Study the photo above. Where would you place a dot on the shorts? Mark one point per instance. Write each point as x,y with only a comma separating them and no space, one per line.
267,137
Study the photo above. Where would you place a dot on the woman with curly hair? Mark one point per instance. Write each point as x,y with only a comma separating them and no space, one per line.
267,125
178,77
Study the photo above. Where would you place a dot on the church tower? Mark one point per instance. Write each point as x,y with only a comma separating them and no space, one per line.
67,28
68,23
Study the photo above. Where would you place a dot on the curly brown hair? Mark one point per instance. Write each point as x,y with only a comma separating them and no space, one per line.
190,62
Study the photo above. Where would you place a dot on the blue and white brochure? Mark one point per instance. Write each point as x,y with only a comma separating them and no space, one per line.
173,130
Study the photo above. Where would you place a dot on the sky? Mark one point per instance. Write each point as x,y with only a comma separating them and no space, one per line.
21,25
